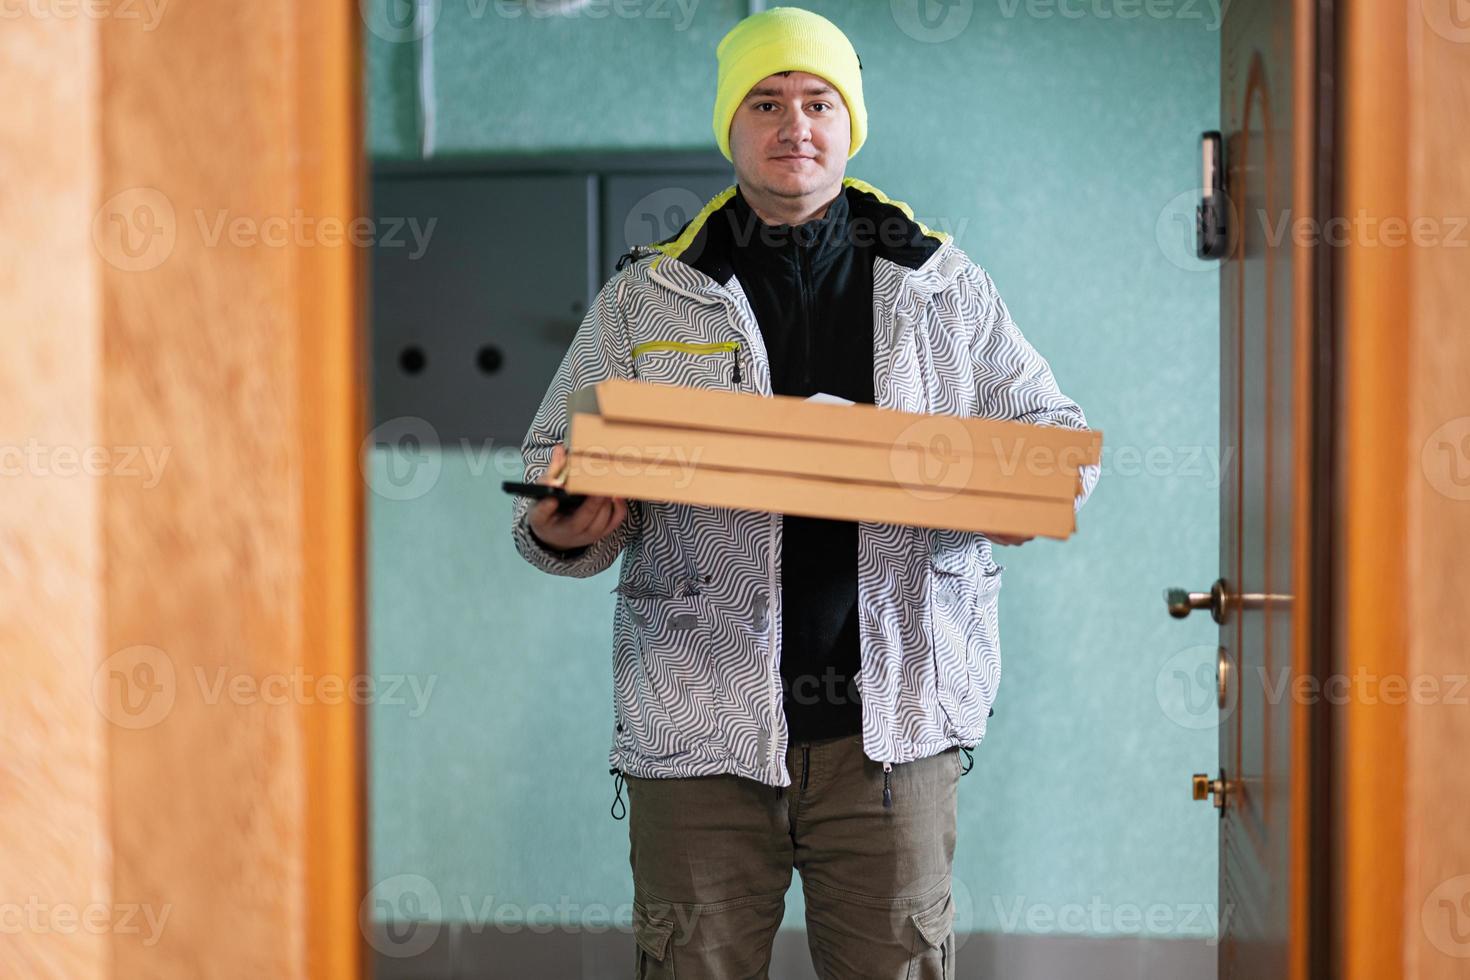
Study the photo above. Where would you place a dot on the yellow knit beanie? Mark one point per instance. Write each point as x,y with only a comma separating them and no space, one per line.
786,39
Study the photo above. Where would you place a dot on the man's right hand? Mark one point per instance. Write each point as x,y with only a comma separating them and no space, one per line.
593,520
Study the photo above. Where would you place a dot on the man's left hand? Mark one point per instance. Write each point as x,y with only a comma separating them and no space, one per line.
1010,538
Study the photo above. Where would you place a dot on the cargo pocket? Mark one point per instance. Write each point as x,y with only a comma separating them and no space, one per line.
935,926
651,934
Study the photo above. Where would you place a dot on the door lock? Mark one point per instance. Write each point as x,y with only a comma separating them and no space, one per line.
1205,787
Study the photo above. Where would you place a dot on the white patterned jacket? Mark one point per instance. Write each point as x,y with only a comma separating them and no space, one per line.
697,622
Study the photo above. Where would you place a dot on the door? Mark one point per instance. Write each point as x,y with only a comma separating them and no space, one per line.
1261,598
180,582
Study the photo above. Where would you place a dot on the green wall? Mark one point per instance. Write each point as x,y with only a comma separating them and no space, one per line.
1061,151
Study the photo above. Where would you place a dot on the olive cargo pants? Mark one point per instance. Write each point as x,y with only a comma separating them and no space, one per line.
712,858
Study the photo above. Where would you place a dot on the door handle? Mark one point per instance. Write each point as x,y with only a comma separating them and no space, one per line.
1182,602
1219,601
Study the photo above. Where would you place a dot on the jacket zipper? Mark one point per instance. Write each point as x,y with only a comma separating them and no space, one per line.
685,346
802,284
774,686
689,347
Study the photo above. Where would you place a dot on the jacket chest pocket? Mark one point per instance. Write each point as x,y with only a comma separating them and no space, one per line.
716,364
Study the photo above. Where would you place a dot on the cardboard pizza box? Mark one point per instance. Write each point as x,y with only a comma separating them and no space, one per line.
911,464
850,462
625,400
813,497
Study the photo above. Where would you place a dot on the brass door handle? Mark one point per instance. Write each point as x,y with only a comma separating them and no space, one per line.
1219,601
1205,787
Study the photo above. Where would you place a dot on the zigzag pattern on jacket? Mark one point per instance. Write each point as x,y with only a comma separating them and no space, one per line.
696,628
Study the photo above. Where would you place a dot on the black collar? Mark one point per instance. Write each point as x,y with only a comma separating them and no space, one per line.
859,211
759,241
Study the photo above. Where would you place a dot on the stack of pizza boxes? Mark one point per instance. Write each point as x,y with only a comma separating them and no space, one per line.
818,458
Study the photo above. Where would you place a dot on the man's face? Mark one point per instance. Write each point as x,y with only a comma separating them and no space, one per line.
790,137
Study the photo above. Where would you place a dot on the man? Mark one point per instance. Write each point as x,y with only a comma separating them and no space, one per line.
793,692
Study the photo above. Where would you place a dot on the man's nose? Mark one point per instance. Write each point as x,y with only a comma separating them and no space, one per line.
796,129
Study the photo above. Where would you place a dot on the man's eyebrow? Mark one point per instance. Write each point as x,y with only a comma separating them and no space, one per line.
812,89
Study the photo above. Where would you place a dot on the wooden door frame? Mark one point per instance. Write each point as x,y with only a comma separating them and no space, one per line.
1401,569
242,816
